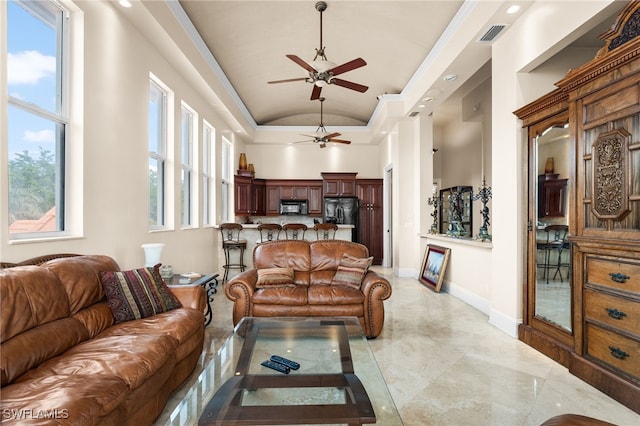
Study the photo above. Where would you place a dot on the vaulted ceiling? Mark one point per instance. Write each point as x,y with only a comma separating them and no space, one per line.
409,47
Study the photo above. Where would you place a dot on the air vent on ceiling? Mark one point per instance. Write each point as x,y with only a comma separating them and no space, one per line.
492,33
414,113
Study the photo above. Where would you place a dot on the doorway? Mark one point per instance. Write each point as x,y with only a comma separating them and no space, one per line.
388,217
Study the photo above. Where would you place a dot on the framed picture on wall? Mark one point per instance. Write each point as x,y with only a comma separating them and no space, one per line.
434,266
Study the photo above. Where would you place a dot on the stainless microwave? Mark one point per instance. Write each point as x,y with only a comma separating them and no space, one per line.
294,207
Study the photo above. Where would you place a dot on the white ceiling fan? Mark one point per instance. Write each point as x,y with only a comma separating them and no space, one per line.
322,136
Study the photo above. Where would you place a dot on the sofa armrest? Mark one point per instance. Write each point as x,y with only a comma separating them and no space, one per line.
240,290
191,296
376,289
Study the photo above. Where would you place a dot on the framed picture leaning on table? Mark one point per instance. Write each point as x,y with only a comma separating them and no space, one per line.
434,266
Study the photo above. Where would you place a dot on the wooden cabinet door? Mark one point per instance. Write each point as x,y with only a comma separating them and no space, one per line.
272,200
259,197
243,195
315,200
339,184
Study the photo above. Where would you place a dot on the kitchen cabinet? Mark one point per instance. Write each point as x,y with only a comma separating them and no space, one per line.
371,227
272,199
249,196
339,184
293,189
552,197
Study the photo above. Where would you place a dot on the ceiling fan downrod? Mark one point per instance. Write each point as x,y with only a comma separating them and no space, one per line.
320,7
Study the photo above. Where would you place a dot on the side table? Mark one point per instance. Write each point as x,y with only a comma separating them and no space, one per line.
208,282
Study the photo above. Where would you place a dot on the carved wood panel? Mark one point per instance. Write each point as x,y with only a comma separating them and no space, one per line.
609,162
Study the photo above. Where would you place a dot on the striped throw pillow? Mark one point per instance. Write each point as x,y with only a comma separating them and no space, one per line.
275,277
351,271
137,294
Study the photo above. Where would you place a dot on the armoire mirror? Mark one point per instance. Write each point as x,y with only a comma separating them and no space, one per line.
549,176
548,316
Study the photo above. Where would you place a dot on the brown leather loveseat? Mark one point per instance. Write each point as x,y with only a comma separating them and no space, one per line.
63,360
313,290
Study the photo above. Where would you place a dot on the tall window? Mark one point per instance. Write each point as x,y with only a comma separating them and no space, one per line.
208,173
157,155
225,190
37,117
186,163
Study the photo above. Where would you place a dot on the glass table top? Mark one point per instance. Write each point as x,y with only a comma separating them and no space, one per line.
337,382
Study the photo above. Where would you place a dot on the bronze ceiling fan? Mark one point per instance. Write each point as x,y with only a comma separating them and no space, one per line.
322,136
321,71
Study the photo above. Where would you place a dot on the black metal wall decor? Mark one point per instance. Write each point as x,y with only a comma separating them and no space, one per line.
484,195
435,202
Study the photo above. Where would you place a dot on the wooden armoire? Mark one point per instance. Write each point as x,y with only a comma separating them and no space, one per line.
600,101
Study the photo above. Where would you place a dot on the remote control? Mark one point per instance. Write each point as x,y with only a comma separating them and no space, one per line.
291,364
276,366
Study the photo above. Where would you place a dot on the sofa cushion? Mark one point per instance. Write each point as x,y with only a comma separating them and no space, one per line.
29,296
351,271
334,295
275,277
284,254
133,358
281,296
80,277
137,293
68,399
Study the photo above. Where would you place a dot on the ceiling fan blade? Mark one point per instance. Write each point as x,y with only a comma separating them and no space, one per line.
331,135
304,141
339,141
349,85
287,80
302,63
308,136
315,93
348,66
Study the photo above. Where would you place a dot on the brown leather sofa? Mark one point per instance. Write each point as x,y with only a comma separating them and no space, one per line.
314,263
64,361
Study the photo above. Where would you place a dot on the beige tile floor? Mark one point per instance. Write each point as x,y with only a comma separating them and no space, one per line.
446,365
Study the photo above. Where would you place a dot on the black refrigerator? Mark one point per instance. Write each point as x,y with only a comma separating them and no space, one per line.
342,211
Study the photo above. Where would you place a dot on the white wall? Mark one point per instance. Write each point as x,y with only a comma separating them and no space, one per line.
113,141
308,161
545,29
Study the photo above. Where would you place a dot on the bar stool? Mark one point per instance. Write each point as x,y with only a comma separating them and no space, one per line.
231,241
556,241
325,231
269,232
294,231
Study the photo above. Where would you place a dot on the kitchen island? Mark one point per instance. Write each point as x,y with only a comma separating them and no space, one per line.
252,235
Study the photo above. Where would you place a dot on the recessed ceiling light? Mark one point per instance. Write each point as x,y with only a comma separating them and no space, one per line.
427,99
125,3
421,106
513,9
450,77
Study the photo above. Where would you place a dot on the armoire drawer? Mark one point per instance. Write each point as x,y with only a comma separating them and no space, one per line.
617,312
621,275
614,349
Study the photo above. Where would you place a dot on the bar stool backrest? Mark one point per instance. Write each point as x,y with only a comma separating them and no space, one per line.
325,231
269,231
294,231
230,232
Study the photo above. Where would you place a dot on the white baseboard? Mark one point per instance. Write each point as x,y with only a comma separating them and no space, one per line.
498,319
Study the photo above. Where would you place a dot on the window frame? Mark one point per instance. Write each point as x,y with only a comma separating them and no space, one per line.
226,182
188,149
208,173
160,157
59,118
